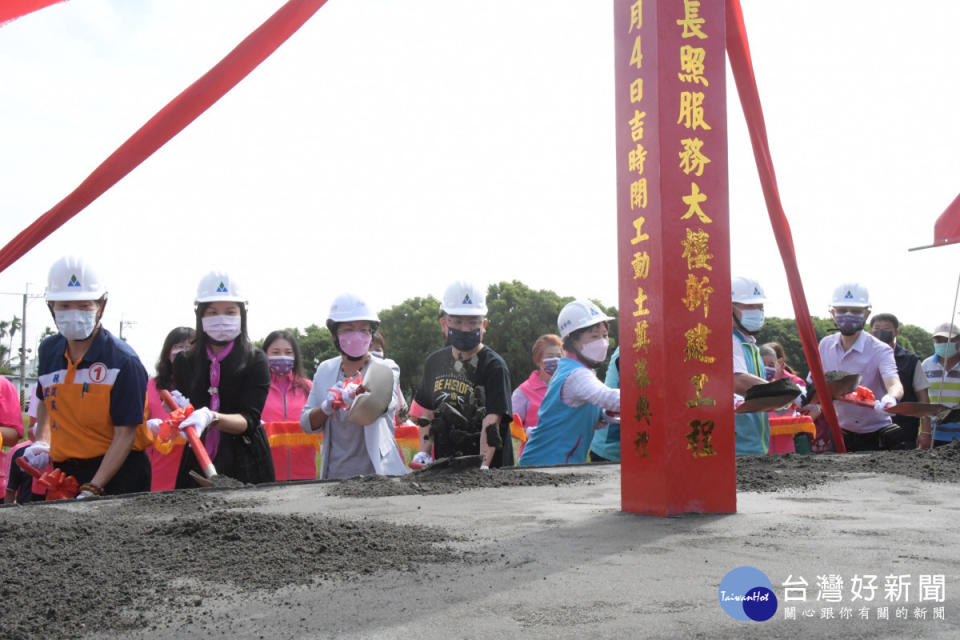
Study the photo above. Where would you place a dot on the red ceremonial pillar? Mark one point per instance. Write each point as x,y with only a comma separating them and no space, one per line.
676,372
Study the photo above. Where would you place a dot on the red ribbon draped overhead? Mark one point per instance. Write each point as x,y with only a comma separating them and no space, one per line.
13,9
738,50
168,122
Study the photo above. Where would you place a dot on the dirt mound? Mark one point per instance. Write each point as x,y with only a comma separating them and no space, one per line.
775,472
448,481
76,573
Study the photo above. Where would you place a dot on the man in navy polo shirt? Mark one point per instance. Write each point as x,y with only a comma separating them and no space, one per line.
93,388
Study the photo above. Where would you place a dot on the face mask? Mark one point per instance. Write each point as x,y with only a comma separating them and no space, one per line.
596,350
770,373
945,349
174,352
550,365
221,328
849,323
884,335
280,365
464,340
751,319
76,324
378,354
355,343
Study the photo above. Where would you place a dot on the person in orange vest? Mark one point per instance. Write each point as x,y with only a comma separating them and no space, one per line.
165,465
294,452
94,390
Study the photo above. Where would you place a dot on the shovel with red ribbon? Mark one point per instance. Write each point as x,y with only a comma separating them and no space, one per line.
59,485
171,427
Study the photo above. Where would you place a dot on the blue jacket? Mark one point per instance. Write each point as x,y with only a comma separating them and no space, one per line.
563,433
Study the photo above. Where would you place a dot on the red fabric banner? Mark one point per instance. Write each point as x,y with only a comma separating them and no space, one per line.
13,9
738,50
168,122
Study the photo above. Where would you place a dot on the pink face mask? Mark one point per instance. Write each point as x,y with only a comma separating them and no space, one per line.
354,343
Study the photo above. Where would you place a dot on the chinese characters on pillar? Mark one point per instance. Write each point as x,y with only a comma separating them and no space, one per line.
693,109
641,243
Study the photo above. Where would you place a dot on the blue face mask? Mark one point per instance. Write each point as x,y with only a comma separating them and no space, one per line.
752,319
945,349
550,365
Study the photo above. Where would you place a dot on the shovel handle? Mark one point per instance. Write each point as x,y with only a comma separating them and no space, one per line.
26,466
168,401
200,451
859,403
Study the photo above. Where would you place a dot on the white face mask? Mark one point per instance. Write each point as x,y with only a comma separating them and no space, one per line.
596,350
221,328
752,319
76,324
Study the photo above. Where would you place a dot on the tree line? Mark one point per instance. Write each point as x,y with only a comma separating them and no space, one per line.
517,316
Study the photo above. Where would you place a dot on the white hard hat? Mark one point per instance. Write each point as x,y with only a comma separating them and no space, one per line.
578,315
71,278
218,286
747,291
464,298
347,307
850,294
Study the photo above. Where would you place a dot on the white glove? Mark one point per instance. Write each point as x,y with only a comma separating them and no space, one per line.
181,400
737,400
886,402
606,417
37,455
326,405
199,420
154,425
422,457
349,394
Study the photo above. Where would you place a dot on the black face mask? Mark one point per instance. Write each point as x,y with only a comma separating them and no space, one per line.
884,335
464,340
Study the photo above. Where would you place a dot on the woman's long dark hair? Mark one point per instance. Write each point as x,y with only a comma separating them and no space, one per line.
164,366
299,378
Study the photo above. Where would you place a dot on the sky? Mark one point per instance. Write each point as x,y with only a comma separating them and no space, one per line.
389,148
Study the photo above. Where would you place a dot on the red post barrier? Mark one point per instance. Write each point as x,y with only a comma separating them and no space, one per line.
676,372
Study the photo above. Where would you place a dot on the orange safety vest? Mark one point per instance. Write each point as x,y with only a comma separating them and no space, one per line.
294,452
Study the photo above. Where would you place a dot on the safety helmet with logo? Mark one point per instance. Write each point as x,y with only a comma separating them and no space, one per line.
747,291
579,314
348,307
218,286
463,298
72,278
850,294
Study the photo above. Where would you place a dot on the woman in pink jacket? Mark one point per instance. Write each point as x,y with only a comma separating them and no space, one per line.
165,465
294,452
526,399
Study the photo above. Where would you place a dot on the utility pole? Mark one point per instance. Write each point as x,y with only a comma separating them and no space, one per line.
26,295
23,346
125,323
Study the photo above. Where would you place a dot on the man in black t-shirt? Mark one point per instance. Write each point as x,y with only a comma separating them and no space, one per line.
466,387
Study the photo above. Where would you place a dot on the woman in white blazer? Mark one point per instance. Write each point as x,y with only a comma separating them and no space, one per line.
351,449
